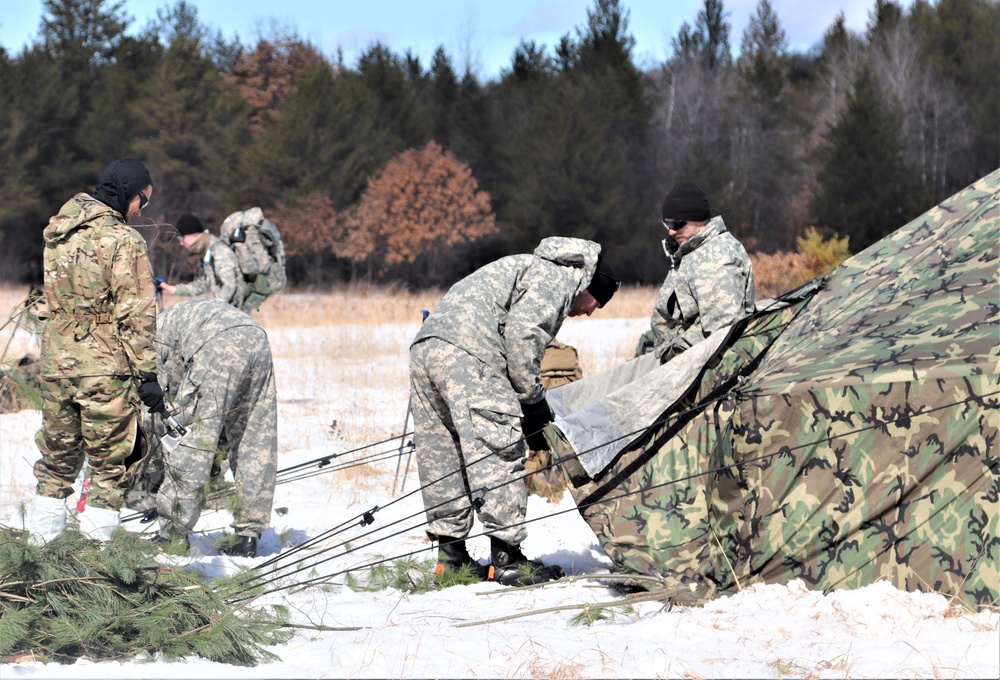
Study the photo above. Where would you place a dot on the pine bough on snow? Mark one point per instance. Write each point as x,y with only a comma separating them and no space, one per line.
71,599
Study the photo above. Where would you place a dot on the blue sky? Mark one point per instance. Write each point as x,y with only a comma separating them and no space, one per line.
483,33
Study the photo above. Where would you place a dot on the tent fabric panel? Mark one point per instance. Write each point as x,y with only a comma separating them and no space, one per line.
603,428
655,520
921,298
658,520
890,482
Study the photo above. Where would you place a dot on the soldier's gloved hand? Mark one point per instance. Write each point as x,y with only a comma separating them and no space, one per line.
150,392
536,416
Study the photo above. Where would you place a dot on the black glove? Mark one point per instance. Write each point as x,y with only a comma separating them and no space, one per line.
536,416
150,392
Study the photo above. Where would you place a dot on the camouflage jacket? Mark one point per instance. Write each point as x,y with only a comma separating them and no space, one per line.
506,312
218,272
189,331
709,286
100,294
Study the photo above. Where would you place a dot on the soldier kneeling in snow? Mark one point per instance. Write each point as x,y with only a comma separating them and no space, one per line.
214,363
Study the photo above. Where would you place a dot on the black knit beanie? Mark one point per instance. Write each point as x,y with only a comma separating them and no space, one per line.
686,201
604,284
188,224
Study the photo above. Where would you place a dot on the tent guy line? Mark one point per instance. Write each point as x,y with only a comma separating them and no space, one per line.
644,489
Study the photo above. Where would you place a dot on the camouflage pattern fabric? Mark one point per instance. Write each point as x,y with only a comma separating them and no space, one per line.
475,360
216,371
849,437
709,286
652,509
603,415
506,312
468,442
218,273
97,337
260,253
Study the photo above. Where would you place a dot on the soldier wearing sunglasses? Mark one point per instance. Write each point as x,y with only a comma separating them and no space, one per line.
709,284
97,356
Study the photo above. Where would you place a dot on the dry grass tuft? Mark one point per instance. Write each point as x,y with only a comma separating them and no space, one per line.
15,340
545,668
357,304
629,302
365,305
361,304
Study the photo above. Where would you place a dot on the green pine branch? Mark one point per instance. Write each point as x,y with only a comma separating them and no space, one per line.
73,598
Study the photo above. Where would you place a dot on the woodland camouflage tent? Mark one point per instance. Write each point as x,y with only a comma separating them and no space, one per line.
844,434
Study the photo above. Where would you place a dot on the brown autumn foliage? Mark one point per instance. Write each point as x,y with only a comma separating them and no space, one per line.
777,273
311,228
780,272
308,226
266,75
424,200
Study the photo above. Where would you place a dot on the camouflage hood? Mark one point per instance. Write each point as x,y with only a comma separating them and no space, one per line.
80,210
714,227
675,252
571,252
191,327
506,312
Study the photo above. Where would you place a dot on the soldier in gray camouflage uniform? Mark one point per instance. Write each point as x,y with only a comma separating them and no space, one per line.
218,272
474,369
710,282
97,344
215,366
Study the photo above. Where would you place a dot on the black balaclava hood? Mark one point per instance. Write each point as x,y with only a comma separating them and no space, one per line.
120,182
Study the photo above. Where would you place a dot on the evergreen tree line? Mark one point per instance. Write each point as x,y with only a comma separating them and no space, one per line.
855,136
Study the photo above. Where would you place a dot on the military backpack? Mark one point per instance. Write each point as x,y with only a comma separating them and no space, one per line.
256,242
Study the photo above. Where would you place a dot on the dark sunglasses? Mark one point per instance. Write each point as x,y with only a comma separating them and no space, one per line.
143,200
675,225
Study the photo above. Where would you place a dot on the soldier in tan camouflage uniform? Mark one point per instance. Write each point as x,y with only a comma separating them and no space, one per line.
218,271
96,344
215,366
710,282
474,369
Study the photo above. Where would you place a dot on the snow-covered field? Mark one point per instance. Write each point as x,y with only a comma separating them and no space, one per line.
341,387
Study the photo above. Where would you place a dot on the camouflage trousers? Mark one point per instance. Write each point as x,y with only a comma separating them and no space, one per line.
92,418
467,437
225,396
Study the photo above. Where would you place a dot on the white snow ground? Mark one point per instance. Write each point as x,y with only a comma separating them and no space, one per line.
334,397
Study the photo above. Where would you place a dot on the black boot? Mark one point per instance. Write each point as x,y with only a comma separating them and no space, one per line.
453,556
511,568
245,546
